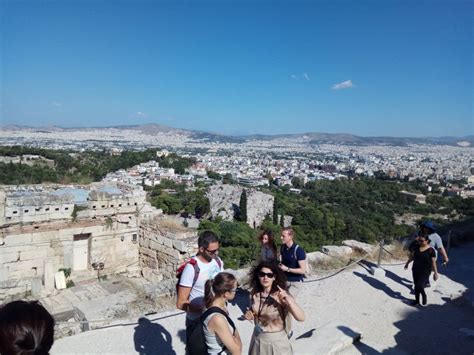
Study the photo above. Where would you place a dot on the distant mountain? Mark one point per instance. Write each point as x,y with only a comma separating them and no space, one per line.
350,139
312,138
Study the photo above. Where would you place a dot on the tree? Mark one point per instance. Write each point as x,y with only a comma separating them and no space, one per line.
275,211
243,207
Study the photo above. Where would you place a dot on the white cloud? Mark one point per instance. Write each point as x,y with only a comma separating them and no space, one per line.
140,114
56,104
293,76
344,85
306,77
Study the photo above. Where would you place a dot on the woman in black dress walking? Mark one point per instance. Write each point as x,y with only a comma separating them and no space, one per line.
424,261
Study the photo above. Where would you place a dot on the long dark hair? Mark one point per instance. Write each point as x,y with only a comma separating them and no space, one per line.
25,328
222,283
271,240
279,278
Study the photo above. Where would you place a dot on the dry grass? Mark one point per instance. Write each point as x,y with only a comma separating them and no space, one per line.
170,223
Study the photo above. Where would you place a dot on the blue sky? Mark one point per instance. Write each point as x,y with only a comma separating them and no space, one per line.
371,68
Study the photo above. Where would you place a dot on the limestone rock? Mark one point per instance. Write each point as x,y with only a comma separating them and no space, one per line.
359,246
333,250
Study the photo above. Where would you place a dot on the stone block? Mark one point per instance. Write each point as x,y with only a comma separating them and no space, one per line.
36,286
48,274
329,339
3,274
359,246
180,246
317,257
377,272
9,257
18,239
60,280
34,253
168,242
336,251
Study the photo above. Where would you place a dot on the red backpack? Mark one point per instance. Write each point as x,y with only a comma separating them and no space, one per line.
195,265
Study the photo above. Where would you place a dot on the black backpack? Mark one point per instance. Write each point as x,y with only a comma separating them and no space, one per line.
196,341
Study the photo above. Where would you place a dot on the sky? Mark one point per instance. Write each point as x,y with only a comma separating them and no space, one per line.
370,68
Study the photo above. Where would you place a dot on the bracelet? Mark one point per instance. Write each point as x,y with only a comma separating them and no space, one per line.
288,270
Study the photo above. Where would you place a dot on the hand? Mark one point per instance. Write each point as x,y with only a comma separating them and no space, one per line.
284,297
249,315
435,276
445,262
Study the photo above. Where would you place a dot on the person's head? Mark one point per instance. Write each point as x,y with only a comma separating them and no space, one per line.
223,285
26,328
428,227
267,274
267,238
287,235
208,244
423,239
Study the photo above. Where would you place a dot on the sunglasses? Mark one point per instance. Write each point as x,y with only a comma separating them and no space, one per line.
212,252
267,274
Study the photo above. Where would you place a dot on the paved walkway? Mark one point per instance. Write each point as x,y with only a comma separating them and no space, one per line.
351,301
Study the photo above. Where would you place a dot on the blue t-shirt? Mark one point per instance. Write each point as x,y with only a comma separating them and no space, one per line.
288,259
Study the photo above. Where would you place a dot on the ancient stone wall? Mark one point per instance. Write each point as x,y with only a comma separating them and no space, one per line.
162,251
29,253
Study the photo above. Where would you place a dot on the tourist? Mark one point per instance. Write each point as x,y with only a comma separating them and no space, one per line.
424,261
268,248
25,328
270,306
220,333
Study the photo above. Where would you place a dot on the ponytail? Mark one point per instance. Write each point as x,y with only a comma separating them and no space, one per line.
209,294
222,283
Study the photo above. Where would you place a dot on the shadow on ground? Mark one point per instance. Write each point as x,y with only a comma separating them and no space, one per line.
152,338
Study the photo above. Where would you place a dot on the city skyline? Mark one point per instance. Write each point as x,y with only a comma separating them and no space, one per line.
393,69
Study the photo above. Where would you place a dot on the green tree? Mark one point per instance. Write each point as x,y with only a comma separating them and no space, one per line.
275,211
242,215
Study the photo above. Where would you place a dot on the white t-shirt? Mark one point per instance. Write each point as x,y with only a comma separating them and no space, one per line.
435,242
207,271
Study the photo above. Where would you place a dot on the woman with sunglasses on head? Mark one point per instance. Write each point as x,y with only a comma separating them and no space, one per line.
424,261
220,332
270,305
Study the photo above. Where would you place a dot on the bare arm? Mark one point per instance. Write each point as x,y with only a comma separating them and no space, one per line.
218,324
286,299
444,254
183,300
300,270
434,268
295,310
410,259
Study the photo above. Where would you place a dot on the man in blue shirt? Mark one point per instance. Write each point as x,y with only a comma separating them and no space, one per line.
293,263
292,260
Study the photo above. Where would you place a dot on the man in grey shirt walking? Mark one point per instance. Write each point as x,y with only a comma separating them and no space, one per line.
428,228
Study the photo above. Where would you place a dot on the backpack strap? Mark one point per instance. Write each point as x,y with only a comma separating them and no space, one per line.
195,265
219,262
296,248
212,310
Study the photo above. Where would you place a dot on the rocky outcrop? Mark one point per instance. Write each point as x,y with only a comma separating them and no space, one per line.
224,202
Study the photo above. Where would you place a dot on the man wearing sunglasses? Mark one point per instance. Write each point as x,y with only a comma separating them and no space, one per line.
204,266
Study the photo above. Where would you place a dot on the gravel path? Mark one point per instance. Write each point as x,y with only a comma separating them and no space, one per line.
378,309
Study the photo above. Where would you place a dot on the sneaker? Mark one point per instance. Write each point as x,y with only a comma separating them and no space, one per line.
424,301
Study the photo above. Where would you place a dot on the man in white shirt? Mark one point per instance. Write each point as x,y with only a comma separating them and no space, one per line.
191,288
